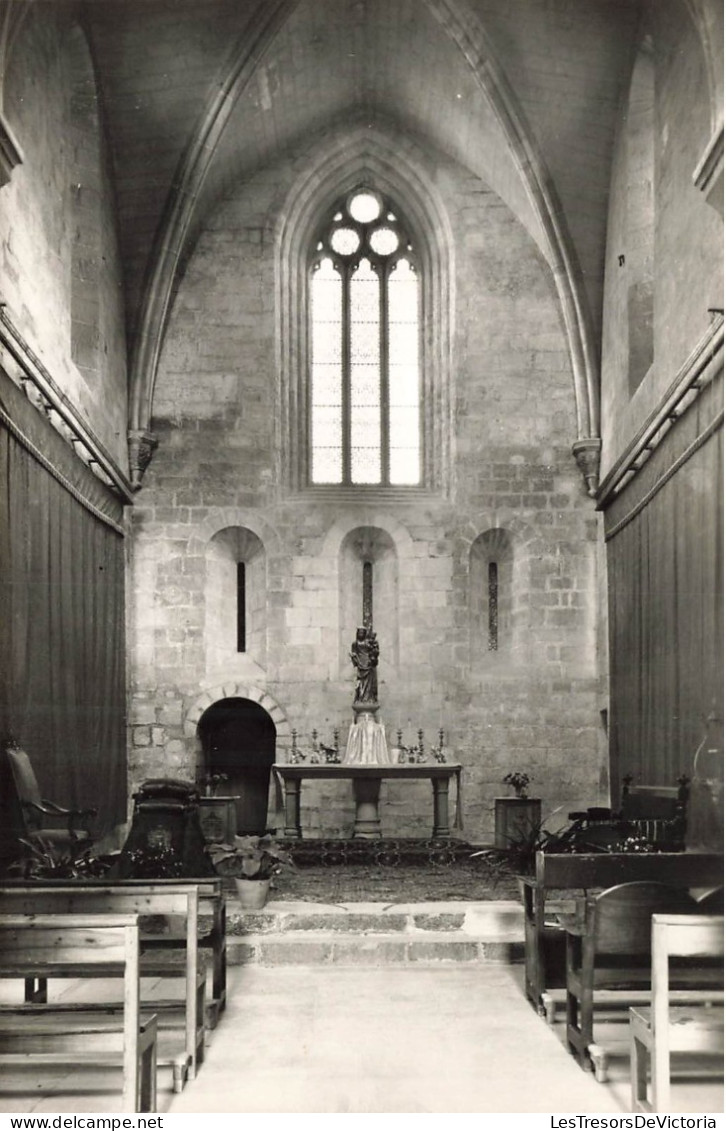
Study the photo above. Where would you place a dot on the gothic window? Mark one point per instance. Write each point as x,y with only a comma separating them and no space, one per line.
365,381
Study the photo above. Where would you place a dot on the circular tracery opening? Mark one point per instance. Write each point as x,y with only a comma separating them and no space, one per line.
384,241
364,207
345,241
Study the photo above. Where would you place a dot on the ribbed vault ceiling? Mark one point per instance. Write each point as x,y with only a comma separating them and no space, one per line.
159,61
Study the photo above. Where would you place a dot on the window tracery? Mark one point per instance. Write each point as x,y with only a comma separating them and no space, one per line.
365,382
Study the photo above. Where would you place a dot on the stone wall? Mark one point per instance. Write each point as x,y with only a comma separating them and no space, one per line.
533,703
687,232
60,274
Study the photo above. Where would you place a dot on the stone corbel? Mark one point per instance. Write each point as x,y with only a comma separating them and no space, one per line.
708,176
142,445
587,458
10,151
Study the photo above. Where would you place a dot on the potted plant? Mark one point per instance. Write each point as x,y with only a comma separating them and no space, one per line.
515,818
44,860
251,861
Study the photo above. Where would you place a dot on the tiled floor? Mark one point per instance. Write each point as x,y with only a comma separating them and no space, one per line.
371,1039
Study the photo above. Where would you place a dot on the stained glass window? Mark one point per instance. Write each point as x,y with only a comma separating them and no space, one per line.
365,355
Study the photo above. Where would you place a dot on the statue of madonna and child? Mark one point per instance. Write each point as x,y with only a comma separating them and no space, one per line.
367,737
364,655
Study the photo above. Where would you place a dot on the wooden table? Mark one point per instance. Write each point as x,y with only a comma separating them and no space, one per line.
576,873
366,781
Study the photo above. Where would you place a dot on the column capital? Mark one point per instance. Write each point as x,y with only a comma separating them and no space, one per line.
142,445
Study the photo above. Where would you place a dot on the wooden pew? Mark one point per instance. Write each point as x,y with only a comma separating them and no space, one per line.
664,1028
174,900
211,922
577,873
102,946
608,948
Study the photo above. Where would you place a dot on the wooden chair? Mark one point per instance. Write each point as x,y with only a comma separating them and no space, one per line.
42,821
662,1029
710,901
102,946
177,900
608,947
658,813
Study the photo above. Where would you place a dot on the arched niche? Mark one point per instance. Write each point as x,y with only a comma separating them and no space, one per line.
86,190
238,739
491,596
369,551
639,250
235,599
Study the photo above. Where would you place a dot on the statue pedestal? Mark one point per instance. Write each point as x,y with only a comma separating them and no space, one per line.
366,792
366,740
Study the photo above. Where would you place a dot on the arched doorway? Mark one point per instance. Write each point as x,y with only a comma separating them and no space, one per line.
238,739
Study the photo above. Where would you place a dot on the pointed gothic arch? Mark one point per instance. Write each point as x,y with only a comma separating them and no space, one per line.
368,154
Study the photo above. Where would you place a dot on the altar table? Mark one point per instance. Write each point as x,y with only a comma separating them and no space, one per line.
366,781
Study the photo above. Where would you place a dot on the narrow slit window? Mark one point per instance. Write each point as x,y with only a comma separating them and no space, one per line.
241,607
368,594
493,595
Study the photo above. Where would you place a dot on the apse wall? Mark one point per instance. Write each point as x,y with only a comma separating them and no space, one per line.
531,704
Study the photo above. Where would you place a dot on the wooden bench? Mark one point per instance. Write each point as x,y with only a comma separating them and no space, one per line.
52,946
212,925
665,1027
574,874
211,937
178,901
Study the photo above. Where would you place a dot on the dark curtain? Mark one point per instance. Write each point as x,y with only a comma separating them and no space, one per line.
664,535
62,631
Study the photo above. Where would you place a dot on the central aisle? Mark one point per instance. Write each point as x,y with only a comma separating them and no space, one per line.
393,1040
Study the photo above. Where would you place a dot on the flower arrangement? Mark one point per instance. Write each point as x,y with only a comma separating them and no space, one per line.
212,782
518,781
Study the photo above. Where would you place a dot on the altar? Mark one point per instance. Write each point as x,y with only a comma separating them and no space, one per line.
366,782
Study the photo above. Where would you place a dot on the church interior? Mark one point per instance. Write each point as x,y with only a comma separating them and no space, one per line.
361,419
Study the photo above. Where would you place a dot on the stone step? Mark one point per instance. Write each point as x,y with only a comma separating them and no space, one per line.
356,934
